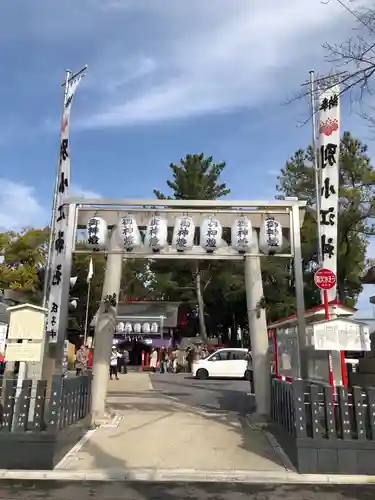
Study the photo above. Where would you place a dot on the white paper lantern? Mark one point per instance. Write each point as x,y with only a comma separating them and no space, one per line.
271,236
242,235
146,328
128,233
156,234
211,234
154,328
137,328
183,234
120,327
96,233
128,328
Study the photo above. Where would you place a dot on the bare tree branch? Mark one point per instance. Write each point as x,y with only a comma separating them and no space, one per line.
352,62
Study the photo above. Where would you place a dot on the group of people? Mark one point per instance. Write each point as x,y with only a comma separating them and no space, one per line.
83,360
166,363
118,362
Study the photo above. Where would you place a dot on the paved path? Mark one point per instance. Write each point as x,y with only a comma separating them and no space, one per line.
224,396
158,433
48,490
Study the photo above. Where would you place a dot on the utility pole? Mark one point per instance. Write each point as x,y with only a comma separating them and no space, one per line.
315,161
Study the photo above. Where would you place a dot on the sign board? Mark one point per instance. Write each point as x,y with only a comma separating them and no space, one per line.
325,279
27,352
341,335
27,322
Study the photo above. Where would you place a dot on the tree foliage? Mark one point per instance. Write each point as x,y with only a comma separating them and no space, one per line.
23,258
356,211
196,178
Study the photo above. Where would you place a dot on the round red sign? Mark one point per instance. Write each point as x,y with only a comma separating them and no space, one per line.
325,279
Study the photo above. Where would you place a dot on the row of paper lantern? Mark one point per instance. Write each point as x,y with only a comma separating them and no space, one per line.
137,328
211,230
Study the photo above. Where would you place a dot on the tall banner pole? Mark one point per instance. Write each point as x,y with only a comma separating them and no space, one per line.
329,158
89,278
59,220
54,201
315,160
87,311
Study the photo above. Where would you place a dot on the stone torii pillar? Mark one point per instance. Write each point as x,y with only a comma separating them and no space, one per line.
258,331
104,331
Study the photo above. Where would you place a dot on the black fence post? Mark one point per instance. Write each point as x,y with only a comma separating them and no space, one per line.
87,397
329,412
75,413
9,401
371,411
315,411
359,413
40,405
23,406
81,400
343,413
290,423
54,411
299,408
89,386
72,389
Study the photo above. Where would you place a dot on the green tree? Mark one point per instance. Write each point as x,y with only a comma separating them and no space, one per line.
23,260
196,178
356,212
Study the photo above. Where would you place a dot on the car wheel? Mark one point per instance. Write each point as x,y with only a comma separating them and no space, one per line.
202,373
247,375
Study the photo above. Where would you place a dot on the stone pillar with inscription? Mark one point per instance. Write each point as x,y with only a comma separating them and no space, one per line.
105,329
258,330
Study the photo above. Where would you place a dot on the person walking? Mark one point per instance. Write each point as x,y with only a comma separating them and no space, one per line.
153,360
82,356
164,359
175,360
190,358
125,361
113,363
249,359
120,361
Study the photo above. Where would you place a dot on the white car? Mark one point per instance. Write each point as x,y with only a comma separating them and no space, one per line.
230,363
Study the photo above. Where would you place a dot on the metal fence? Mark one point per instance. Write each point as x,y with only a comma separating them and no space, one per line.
31,409
308,410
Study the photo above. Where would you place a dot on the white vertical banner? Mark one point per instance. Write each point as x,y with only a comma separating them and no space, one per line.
329,157
60,218
90,273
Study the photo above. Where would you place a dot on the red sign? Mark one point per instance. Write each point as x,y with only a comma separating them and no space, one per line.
325,279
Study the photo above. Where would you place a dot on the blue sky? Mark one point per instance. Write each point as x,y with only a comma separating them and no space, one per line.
165,78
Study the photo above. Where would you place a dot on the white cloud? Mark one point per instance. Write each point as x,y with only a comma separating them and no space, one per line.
83,193
20,206
216,56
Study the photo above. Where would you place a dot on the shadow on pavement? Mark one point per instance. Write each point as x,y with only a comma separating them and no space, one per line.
244,404
252,440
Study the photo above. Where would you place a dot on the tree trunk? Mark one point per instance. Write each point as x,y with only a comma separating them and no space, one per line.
202,324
